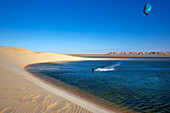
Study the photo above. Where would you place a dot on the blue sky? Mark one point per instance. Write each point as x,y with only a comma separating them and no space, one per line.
85,26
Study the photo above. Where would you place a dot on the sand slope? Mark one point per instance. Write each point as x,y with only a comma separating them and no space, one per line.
20,92
19,95
22,57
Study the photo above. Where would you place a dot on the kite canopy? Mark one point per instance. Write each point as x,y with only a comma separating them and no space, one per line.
147,8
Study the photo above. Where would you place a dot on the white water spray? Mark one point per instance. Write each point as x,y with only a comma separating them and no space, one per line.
108,68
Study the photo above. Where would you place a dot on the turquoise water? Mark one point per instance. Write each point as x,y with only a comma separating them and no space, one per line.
140,85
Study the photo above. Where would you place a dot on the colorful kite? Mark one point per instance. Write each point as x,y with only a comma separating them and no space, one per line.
147,8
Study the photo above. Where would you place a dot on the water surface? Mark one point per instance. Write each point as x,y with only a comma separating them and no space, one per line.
140,85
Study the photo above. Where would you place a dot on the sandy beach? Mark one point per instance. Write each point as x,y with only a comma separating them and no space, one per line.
21,92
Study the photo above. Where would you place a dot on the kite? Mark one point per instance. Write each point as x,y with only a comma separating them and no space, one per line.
147,8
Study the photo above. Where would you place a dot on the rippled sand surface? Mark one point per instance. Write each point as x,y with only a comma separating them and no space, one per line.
20,95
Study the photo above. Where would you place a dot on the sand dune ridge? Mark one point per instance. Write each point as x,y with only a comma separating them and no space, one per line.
20,92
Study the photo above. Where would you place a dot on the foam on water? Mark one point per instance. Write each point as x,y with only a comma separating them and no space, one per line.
108,68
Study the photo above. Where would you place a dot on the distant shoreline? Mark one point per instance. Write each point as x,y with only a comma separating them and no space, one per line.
108,55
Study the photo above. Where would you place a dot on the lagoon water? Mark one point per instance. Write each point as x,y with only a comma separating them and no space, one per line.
140,85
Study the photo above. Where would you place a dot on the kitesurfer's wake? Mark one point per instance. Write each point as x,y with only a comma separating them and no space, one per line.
108,68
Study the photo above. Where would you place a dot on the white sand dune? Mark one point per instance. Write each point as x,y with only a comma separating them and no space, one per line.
21,92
